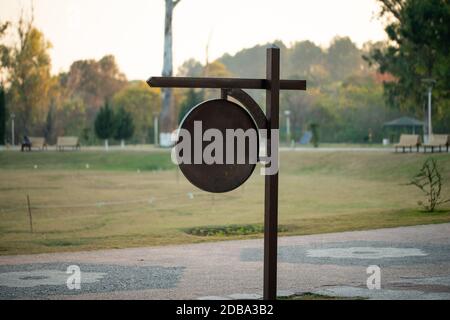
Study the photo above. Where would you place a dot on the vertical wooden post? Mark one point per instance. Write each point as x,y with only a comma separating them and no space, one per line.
234,88
29,213
271,181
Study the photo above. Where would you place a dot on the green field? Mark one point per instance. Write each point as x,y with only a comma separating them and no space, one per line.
127,199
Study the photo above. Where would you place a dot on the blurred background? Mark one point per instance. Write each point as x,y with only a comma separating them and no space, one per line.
77,68
88,54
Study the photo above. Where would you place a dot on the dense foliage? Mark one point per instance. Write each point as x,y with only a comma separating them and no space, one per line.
143,104
2,116
344,97
29,82
105,124
418,49
352,91
124,125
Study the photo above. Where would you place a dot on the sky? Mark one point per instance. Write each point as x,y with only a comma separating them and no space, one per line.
133,30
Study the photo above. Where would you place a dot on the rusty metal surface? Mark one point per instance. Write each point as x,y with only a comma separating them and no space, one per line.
271,183
221,83
218,114
249,103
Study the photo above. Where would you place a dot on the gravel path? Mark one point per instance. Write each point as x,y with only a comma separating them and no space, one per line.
414,264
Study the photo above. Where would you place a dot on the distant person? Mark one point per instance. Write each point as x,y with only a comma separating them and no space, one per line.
26,143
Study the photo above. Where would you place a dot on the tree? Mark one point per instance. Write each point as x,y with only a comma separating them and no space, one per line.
124,126
105,124
2,116
28,75
143,103
303,56
418,33
167,113
49,128
251,62
217,69
429,180
190,68
314,127
192,98
70,119
93,82
4,51
343,58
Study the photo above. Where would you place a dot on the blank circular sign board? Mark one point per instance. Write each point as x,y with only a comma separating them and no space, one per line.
235,158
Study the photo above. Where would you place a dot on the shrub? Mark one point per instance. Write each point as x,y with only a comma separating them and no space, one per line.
429,180
314,127
229,230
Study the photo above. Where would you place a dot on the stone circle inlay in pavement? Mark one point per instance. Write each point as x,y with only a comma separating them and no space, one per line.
48,279
362,253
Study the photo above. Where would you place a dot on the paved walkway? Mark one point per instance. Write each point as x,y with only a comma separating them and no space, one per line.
414,263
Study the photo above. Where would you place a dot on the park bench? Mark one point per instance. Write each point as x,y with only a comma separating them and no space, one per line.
38,142
70,142
34,142
437,141
408,141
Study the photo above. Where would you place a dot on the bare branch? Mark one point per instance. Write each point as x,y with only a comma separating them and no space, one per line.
429,181
3,27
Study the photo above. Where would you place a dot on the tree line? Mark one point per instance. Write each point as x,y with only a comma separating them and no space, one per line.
69,102
344,100
418,50
352,90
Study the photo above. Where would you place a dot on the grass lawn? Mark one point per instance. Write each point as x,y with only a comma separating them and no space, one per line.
130,199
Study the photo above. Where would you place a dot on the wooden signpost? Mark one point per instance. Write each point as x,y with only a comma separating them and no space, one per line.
223,114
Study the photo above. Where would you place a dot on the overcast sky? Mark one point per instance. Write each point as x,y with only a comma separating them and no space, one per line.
132,30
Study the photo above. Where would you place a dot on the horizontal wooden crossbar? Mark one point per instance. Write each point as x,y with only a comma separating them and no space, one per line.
222,83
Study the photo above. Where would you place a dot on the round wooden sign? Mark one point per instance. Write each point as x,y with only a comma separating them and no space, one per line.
225,131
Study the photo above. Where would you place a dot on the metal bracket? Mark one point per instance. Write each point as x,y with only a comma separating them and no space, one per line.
249,103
